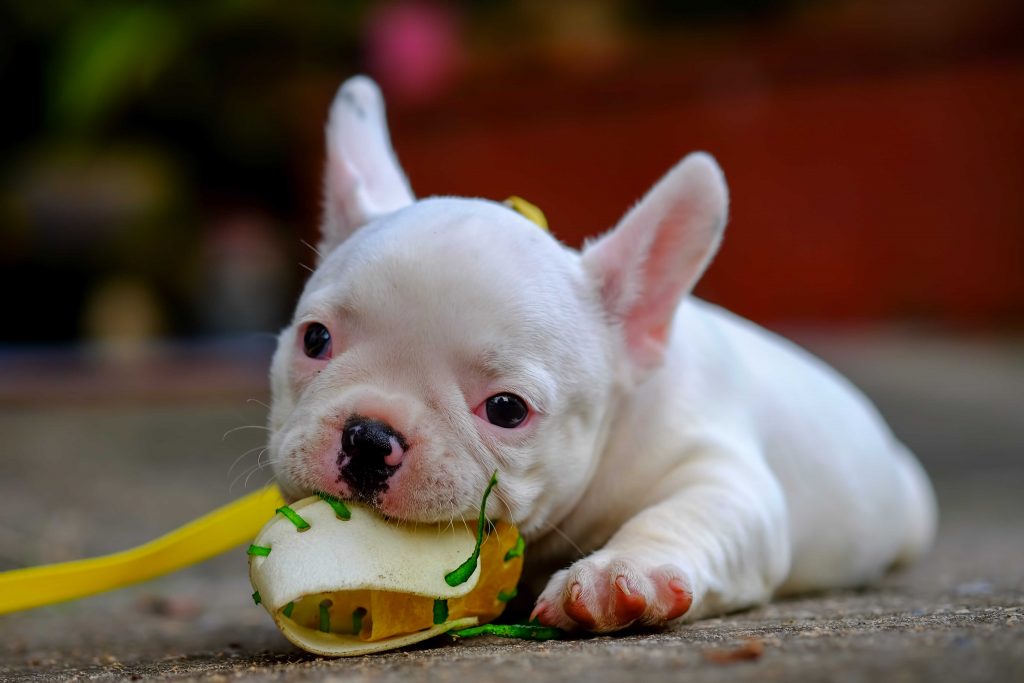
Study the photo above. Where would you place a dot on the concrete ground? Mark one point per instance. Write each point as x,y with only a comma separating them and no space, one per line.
92,468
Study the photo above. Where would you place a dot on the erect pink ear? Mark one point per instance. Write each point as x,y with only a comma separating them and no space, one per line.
657,252
363,179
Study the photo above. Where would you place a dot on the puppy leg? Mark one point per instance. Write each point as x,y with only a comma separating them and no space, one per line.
719,542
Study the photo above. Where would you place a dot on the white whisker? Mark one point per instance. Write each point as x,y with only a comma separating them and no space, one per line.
241,474
236,429
239,458
451,519
251,471
315,250
568,540
245,484
508,508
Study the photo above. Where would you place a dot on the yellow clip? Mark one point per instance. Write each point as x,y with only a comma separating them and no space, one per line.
528,210
211,534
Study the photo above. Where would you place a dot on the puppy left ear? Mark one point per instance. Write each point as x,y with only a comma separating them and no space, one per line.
363,179
655,255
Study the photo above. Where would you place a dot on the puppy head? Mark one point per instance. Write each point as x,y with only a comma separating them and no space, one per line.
443,339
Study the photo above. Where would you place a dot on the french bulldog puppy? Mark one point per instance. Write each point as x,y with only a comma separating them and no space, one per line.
663,457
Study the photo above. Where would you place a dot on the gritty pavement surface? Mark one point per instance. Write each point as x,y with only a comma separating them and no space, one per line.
80,477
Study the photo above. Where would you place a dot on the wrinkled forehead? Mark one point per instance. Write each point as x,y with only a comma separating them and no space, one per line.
446,262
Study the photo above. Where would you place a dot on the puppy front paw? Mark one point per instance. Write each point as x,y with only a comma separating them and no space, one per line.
608,595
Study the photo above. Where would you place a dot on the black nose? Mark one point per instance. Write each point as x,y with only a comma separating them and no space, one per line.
370,453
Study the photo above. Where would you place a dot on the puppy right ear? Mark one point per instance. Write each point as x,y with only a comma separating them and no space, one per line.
363,179
655,255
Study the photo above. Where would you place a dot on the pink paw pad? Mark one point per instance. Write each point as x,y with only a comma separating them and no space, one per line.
629,604
576,608
679,599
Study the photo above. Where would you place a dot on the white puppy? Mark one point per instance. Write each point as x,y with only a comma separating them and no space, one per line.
667,458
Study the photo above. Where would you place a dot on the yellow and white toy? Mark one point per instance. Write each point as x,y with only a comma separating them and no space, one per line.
340,580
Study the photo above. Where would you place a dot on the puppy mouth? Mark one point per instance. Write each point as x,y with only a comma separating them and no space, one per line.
400,499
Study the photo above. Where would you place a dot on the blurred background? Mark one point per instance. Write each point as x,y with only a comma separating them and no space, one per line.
161,161
160,168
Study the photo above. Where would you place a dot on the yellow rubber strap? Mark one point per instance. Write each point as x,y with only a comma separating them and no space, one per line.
528,210
210,535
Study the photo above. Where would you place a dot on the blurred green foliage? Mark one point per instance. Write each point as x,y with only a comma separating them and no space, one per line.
99,58
111,53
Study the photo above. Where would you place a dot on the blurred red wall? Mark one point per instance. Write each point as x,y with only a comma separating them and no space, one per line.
873,197
874,151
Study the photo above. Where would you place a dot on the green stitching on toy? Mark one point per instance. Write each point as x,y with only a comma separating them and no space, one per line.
465,570
260,550
325,616
505,597
339,507
528,631
357,619
287,611
516,550
256,598
293,517
440,611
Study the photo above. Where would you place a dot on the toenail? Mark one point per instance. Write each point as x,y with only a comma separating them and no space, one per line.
677,586
575,591
620,582
538,610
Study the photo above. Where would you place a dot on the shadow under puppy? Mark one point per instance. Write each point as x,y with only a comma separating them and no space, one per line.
701,463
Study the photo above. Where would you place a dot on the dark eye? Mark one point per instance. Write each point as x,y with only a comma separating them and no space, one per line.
506,410
316,342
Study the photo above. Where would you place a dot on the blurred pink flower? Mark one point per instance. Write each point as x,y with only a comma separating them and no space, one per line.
413,48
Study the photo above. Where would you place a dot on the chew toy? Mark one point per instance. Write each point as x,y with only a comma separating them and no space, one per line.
349,584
